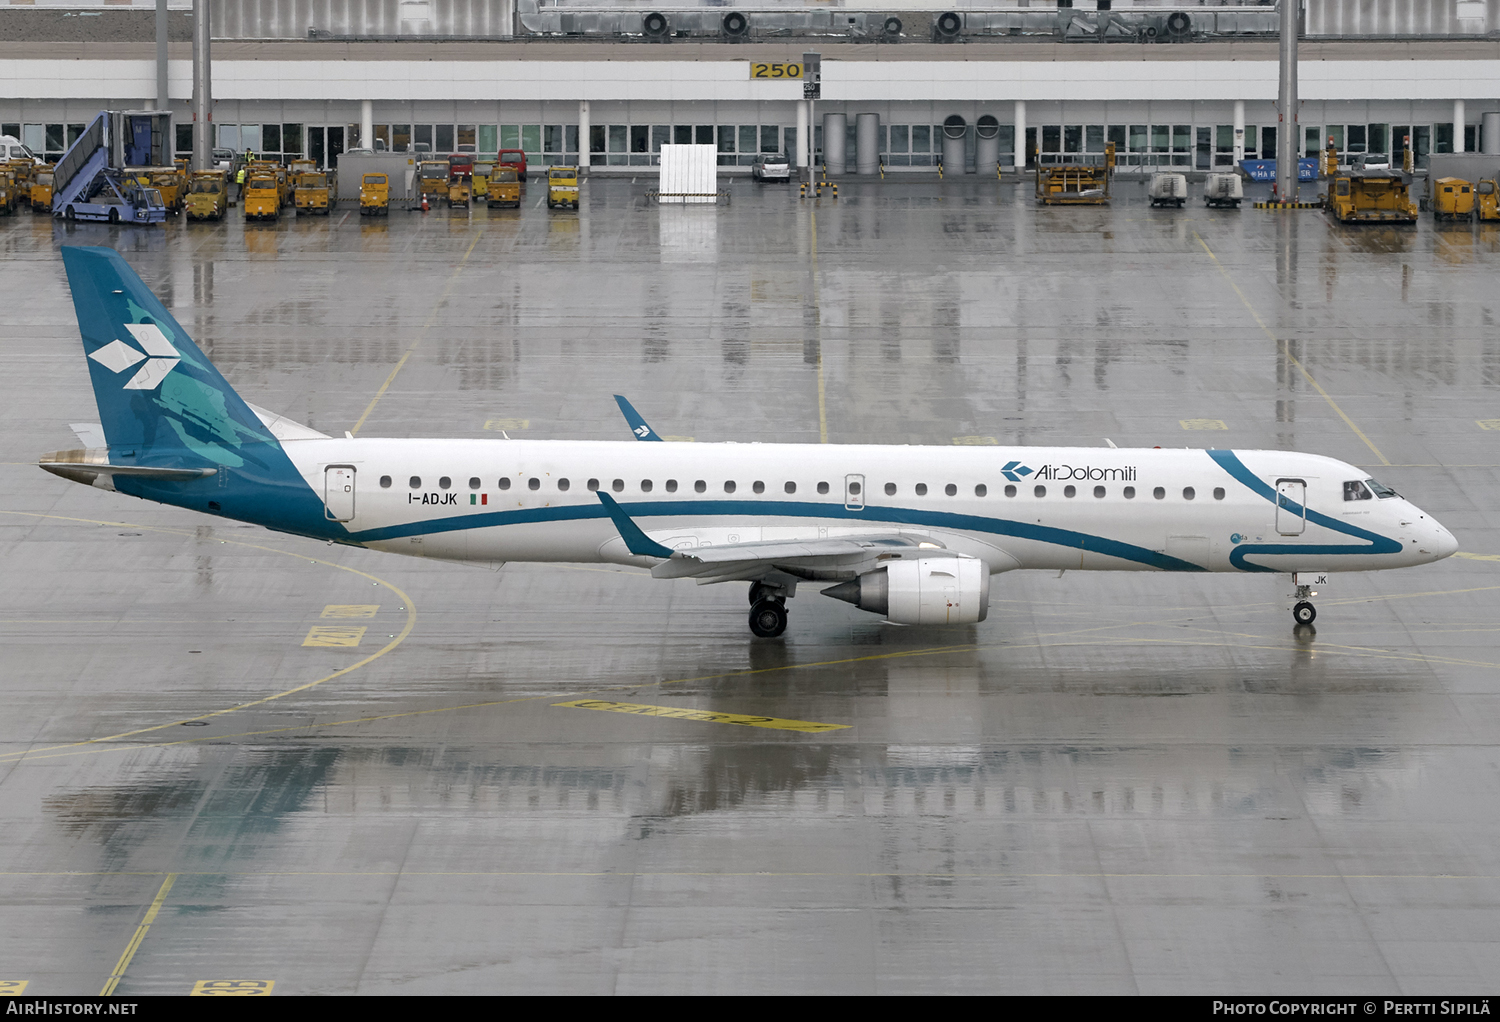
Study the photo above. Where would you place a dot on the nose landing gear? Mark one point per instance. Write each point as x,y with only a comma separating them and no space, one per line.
767,610
1304,613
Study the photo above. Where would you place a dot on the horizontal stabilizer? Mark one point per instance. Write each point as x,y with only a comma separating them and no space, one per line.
87,466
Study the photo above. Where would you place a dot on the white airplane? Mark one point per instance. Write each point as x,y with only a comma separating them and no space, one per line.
911,533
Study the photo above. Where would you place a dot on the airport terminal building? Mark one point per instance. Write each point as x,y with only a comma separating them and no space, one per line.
1186,86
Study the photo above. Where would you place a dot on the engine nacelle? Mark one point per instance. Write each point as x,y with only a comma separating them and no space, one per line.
923,591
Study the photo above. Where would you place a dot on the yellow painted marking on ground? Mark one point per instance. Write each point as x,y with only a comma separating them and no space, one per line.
335,635
707,716
421,334
347,610
1487,423
13,987
975,441
1203,423
680,439
499,424
140,935
233,988
396,640
1477,557
1286,350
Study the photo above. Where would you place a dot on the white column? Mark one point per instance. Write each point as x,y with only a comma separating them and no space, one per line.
804,133
1458,125
1239,131
583,134
1020,119
366,124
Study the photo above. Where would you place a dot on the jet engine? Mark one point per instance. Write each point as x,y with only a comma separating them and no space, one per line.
922,591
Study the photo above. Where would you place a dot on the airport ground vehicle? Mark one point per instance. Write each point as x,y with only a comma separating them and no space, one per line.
11,148
1168,189
514,159
41,189
503,190
208,195
1487,200
1371,196
314,190
92,180
262,198
1221,190
374,195
10,192
432,180
910,533
1081,179
169,181
460,180
1452,199
482,172
562,187
772,167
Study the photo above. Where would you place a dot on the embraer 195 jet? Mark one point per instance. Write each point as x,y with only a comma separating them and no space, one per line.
910,533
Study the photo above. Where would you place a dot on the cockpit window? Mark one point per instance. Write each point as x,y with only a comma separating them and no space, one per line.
1381,490
1356,490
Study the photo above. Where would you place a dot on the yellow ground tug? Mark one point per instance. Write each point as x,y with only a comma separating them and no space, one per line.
41,189
460,179
262,196
562,187
504,189
434,180
208,195
315,191
1487,200
1084,181
1452,199
1370,196
374,195
482,172
10,191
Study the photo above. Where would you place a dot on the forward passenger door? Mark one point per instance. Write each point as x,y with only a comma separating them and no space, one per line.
1291,506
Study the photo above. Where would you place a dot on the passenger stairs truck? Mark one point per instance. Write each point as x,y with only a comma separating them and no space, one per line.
93,181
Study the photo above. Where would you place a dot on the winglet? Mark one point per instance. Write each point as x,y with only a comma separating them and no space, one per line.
637,424
636,541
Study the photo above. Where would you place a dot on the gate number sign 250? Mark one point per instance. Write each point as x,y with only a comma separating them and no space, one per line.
775,70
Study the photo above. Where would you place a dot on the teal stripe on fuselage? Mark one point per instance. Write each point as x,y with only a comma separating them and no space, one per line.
791,509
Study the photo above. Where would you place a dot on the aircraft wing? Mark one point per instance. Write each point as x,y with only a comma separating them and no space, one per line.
798,557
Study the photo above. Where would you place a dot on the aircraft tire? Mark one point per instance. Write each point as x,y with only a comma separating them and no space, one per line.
760,591
768,619
1304,613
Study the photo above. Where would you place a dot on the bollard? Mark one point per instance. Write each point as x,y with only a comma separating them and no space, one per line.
835,190
804,190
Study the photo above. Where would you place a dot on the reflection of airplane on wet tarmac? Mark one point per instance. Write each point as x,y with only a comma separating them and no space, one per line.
912,533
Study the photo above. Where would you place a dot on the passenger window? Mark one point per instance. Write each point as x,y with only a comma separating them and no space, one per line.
563,484
890,489
416,482
385,482
618,486
822,487
790,487
473,482
921,489
699,486
1040,491
645,486
759,487
445,482
1010,491
534,483
981,490
1188,493
1099,491
671,485
1129,492
951,490
729,486
593,485
505,482
1218,493
1070,490
1355,490
1159,493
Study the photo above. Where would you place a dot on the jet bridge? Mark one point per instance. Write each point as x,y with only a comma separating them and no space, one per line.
91,181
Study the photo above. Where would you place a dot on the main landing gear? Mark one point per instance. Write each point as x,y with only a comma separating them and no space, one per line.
767,610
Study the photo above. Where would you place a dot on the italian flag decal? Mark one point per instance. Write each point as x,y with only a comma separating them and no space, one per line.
479,498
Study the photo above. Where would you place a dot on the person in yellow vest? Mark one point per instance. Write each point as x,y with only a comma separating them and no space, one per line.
239,183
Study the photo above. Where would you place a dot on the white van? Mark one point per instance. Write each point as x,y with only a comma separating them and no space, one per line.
12,149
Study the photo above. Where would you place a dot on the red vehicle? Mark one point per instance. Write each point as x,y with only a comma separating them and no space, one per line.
512,159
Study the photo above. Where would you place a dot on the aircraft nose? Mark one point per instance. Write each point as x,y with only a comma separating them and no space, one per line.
1446,545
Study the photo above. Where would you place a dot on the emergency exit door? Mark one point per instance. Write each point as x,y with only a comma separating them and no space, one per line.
338,493
854,492
1291,506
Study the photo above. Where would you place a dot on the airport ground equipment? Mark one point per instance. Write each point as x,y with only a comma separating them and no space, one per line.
41,189
562,187
1221,190
91,181
1487,200
165,179
1168,189
515,159
433,175
482,172
262,198
10,192
375,195
1083,180
503,190
460,179
1372,196
314,191
1452,199
23,171
208,195
689,175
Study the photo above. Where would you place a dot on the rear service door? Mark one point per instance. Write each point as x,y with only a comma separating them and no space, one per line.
338,492
1291,509
854,492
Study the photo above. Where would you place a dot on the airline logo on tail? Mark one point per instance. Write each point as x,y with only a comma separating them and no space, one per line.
160,356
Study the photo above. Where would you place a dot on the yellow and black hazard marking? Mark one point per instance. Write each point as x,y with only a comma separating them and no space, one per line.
232,988
334,635
706,716
350,610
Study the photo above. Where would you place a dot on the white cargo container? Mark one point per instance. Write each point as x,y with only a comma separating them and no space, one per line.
1223,189
689,174
1168,190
